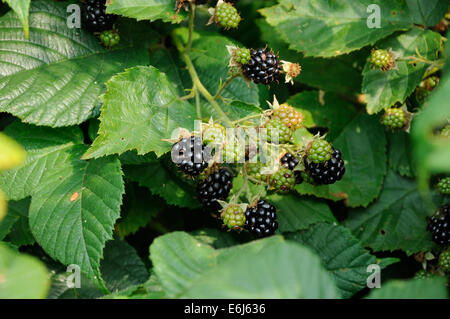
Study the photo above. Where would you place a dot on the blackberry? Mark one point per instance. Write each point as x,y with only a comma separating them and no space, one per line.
263,66
394,118
227,16
382,59
328,172
94,17
289,161
298,177
233,152
320,151
276,128
445,131
444,186
261,219
439,226
255,170
233,216
423,274
289,116
110,38
190,155
216,186
282,180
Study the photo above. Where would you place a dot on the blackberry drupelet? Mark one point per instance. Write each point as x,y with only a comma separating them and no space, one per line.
263,66
216,186
289,161
261,220
190,155
439,226
328,172
94,17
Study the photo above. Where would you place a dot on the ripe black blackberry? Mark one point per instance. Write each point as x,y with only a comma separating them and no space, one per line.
94,17
261,220
190,155
216,186
263,67
328,172
439,226
289,161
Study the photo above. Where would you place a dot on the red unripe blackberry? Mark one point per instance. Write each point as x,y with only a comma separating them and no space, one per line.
190,155
439,226
328,172
261,220
94,17
216,186
263,66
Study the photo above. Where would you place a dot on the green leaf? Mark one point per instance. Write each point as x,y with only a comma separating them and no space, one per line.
427,12
140,109
429,288
397,220
217,238
295,213
122,268
400,155
363,146
324,110
20,233
342,255
74,209
136,213
146,10
165,182
179,260
44,147
384,89
21,276
17,211
431,153
21,8
329,28
40,78
280,270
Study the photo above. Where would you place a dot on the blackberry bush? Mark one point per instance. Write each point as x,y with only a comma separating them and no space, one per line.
112,149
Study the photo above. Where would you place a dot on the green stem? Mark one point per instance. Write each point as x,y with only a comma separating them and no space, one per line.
196,80
190,28
224,85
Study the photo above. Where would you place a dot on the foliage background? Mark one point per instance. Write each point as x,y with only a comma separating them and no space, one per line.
97,188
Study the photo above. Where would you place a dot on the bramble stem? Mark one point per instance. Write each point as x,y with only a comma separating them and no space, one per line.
224,85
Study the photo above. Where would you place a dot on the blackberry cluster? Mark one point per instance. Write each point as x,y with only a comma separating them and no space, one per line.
289,116
444,186
289,161
382,59
444,261
320,151
328,172
227,16
263,66
94,17
261,220
439,226
190,155
110,38
216,186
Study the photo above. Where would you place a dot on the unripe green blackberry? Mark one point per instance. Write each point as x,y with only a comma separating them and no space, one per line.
214,134
394,118
382,59
446,131
233,216
227,16
233,152
275,127
255,170
444,186
289,116
320,151
110,38
423,274
283,180
444,261
242,55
